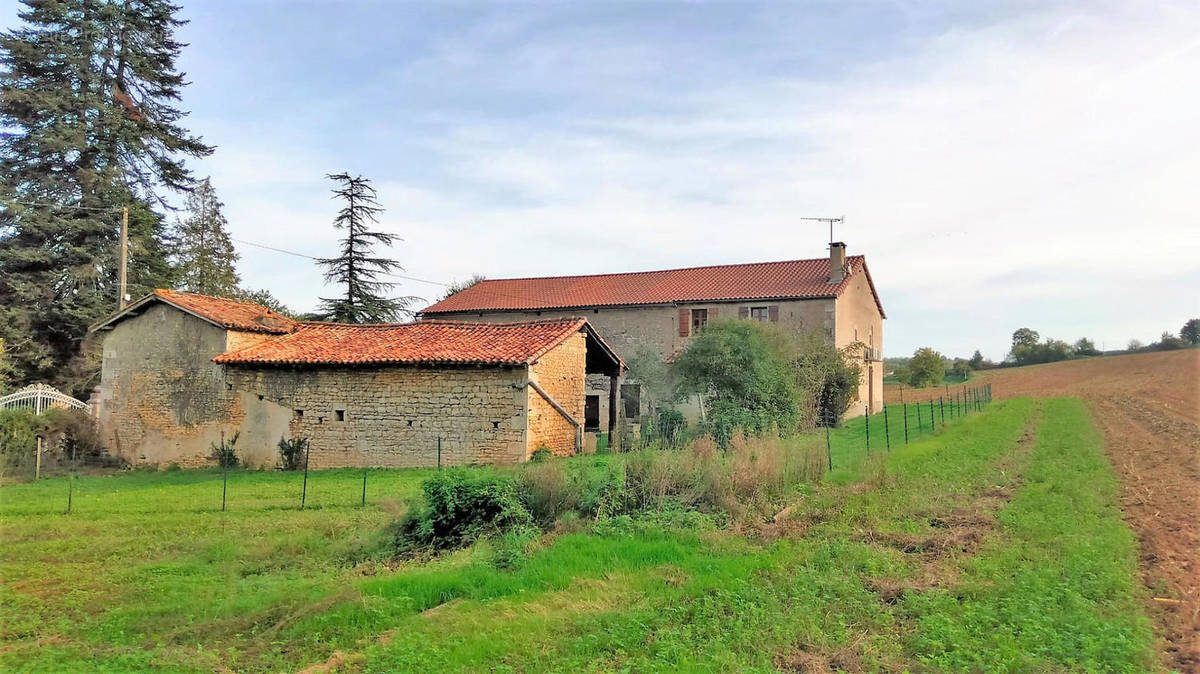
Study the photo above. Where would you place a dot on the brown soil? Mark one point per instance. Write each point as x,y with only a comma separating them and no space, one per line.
1148,406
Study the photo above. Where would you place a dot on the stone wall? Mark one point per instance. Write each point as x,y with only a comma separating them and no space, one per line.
858,319
560,372
631,329
388,417
162,399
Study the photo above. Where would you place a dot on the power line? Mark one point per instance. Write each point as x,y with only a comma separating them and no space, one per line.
310,257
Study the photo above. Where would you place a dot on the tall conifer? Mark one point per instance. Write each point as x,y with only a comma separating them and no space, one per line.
88,101
203,253
364,299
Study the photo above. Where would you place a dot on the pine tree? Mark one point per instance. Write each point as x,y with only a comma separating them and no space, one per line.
355,268
88,92
204,254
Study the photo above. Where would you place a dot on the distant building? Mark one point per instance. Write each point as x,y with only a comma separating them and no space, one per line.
180,371
662,310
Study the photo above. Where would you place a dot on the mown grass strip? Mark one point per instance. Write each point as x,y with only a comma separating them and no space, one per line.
1055,588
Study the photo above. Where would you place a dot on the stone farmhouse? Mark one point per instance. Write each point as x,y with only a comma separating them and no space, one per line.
662,310
180,371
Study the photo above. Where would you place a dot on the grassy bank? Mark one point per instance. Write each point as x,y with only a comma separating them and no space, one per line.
981,545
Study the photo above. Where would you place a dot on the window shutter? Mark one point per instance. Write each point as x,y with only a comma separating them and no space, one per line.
773,313
685,322
712,314
743,312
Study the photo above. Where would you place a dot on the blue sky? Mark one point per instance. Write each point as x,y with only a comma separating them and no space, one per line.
1000,165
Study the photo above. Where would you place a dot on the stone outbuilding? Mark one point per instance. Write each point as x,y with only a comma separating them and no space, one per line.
180,371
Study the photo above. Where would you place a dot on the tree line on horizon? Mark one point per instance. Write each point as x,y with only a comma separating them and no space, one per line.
91,124
928,367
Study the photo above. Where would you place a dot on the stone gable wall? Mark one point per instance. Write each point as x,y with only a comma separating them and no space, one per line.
162,399
560,373
858,319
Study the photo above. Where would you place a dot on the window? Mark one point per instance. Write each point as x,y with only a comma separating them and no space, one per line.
631,401
760,314
699,320
340,415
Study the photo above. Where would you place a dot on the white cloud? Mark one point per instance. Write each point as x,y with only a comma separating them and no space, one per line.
1036,170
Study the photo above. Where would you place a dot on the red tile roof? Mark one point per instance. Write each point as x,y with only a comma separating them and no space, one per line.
424,342
793,279
221,311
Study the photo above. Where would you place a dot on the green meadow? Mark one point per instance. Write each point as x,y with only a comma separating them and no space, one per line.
990,543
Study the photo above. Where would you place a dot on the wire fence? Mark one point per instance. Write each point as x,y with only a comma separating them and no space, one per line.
888,428
900,423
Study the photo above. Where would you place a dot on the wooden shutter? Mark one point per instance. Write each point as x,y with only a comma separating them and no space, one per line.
712,314
773,313
685,322
743,312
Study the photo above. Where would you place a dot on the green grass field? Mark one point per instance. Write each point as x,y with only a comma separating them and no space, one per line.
990,544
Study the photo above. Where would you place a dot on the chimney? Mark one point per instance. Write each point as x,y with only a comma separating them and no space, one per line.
837,262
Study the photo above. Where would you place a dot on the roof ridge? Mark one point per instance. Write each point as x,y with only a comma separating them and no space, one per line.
442,321
662,271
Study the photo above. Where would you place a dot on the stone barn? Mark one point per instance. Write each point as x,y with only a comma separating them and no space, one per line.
181,370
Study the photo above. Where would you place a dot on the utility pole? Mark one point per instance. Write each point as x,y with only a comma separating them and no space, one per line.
124,254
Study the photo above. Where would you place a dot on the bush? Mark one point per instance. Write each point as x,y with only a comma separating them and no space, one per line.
66,435
744,376
960,368
927,368
225,452
541,455
461,506
292,453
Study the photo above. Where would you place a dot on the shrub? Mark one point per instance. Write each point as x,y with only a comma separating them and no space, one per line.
960,368
1086,347
225,452
670,426
926,368
292,453
745,377
541,455
67,435
461,506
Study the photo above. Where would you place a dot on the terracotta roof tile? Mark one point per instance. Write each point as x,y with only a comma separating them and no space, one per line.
221,311
424,342
229,313
762,280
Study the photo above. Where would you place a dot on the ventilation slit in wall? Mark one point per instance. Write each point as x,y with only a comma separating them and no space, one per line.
299,413
495,424
340,415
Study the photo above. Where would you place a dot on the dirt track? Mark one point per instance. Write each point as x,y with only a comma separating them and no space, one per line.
1148,406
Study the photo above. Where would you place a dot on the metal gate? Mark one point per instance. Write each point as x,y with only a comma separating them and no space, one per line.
39,398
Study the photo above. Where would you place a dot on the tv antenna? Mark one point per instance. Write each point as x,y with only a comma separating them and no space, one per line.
839,220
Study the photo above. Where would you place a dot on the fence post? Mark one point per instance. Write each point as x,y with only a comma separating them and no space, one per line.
224,472
439,452
37,460
942,410
867,423
920,421
364,493
304,487
932,419
828,446
71,481
905,423
887,435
